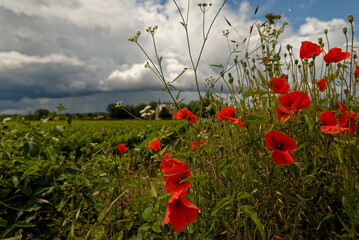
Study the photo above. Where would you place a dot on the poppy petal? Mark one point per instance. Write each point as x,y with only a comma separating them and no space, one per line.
282,157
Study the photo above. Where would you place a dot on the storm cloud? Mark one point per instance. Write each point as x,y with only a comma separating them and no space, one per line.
76,52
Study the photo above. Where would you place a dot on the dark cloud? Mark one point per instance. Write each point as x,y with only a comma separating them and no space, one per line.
76,51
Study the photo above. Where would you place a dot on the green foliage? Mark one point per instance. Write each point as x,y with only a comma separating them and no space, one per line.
68,181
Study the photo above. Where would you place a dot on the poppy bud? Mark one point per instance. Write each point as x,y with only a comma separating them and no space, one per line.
288,47
313,56
355,56
285,54
295,85
230,80
350,18
296,61
320,40
325,31
246,54
345,30
222,74
271,83
346,91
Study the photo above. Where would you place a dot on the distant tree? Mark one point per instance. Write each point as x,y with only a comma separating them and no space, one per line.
153,105
41,113
138,108
118,113
164,114
195,106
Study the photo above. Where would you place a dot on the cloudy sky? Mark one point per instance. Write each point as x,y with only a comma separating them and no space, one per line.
75,52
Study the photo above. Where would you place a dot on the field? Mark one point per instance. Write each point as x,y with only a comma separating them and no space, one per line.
270,152
64,180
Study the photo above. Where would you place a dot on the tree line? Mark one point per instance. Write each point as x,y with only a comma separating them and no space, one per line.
113,112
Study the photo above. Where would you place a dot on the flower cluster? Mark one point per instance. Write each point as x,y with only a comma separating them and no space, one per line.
344,124
180,211
196,144
147,112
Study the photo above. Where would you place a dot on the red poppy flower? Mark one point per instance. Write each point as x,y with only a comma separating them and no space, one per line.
282,146
294,100
185,114
180,212
166,156
228,113
173,183
196,144
155,145
330,123
122,148
308,48
349,121
283,113
357,70
322,84
336,55
279,85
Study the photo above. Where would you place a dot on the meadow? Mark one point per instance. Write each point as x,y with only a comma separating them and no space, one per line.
272,152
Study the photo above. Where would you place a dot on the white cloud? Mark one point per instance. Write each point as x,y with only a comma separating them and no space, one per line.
12,60
130,79
313,29
90,36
